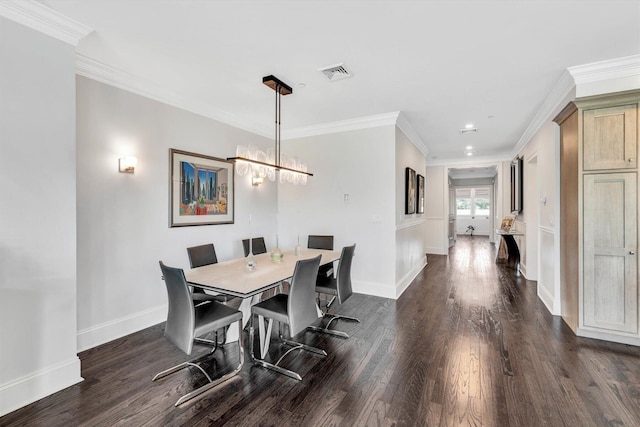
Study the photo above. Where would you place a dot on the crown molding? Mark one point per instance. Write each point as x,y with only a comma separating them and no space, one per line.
121,79
45,20
476,162
342,126
627,66
549,108
407,129
387,119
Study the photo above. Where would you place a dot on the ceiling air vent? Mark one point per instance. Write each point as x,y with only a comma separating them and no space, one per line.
335,72
468,130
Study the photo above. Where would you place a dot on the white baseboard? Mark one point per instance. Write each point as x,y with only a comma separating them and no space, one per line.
623,339
436,250
118,328
372,288
404,283
28,389
546,297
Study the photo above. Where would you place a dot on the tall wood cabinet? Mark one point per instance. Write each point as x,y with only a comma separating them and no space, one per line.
599,216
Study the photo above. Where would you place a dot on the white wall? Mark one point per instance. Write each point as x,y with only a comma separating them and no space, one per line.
437,223
410,229
358,163
540,180
123,219
38,216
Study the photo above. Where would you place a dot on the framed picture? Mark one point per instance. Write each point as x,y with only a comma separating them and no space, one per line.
420,195
516,185
410,191
201,189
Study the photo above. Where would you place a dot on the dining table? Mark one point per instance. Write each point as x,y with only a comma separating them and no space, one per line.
235,278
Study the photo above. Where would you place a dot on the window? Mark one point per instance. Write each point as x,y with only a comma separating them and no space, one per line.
473,201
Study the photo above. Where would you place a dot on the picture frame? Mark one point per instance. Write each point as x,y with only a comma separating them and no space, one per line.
420,194
201,189
410,191
516,185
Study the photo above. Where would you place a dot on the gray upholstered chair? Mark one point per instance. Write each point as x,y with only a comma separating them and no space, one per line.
187,321
198,257
322,242
257,246
297,309
339,288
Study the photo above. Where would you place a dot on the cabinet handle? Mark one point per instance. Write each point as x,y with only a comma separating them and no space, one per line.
631,160
632,252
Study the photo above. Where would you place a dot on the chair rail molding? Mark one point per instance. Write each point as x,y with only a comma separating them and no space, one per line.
410,224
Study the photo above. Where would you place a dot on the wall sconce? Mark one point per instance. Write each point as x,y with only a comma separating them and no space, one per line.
128,164
256,181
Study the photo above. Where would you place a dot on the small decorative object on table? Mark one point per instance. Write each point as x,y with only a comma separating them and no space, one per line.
251,262
276,255
507,223
298,247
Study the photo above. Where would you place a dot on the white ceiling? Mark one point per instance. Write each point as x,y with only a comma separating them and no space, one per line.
443,64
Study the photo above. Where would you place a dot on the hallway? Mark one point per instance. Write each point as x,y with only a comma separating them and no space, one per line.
468,343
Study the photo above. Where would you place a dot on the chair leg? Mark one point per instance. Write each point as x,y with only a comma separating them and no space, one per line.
333,317
212,383
274,366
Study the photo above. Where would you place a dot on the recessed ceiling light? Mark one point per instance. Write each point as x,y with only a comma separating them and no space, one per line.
469,153
302,85
469,147
469,126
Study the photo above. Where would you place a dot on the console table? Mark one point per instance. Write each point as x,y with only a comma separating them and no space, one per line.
512,257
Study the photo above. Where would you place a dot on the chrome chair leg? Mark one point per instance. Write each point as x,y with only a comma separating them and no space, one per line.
275,366
194,362
333,317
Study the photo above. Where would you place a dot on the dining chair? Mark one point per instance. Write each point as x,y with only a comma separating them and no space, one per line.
186,322
297,310
200,256
257,246
322,242
339,288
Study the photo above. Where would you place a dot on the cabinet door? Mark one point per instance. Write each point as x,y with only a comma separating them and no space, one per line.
610,287
610,137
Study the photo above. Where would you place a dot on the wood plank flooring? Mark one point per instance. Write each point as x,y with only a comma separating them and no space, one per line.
468,343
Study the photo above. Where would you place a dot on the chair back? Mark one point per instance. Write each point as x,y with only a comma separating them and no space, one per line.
301,304
344,273
180,325
320,242
257,246
202,255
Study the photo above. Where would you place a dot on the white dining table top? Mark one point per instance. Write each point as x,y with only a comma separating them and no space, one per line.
233,278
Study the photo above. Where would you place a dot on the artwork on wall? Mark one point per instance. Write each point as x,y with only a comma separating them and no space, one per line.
410,191
420,195
516,185
201,189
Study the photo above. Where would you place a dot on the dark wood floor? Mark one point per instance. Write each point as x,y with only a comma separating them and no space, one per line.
468,343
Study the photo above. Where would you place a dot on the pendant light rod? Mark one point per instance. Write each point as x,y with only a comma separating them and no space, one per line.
281,88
